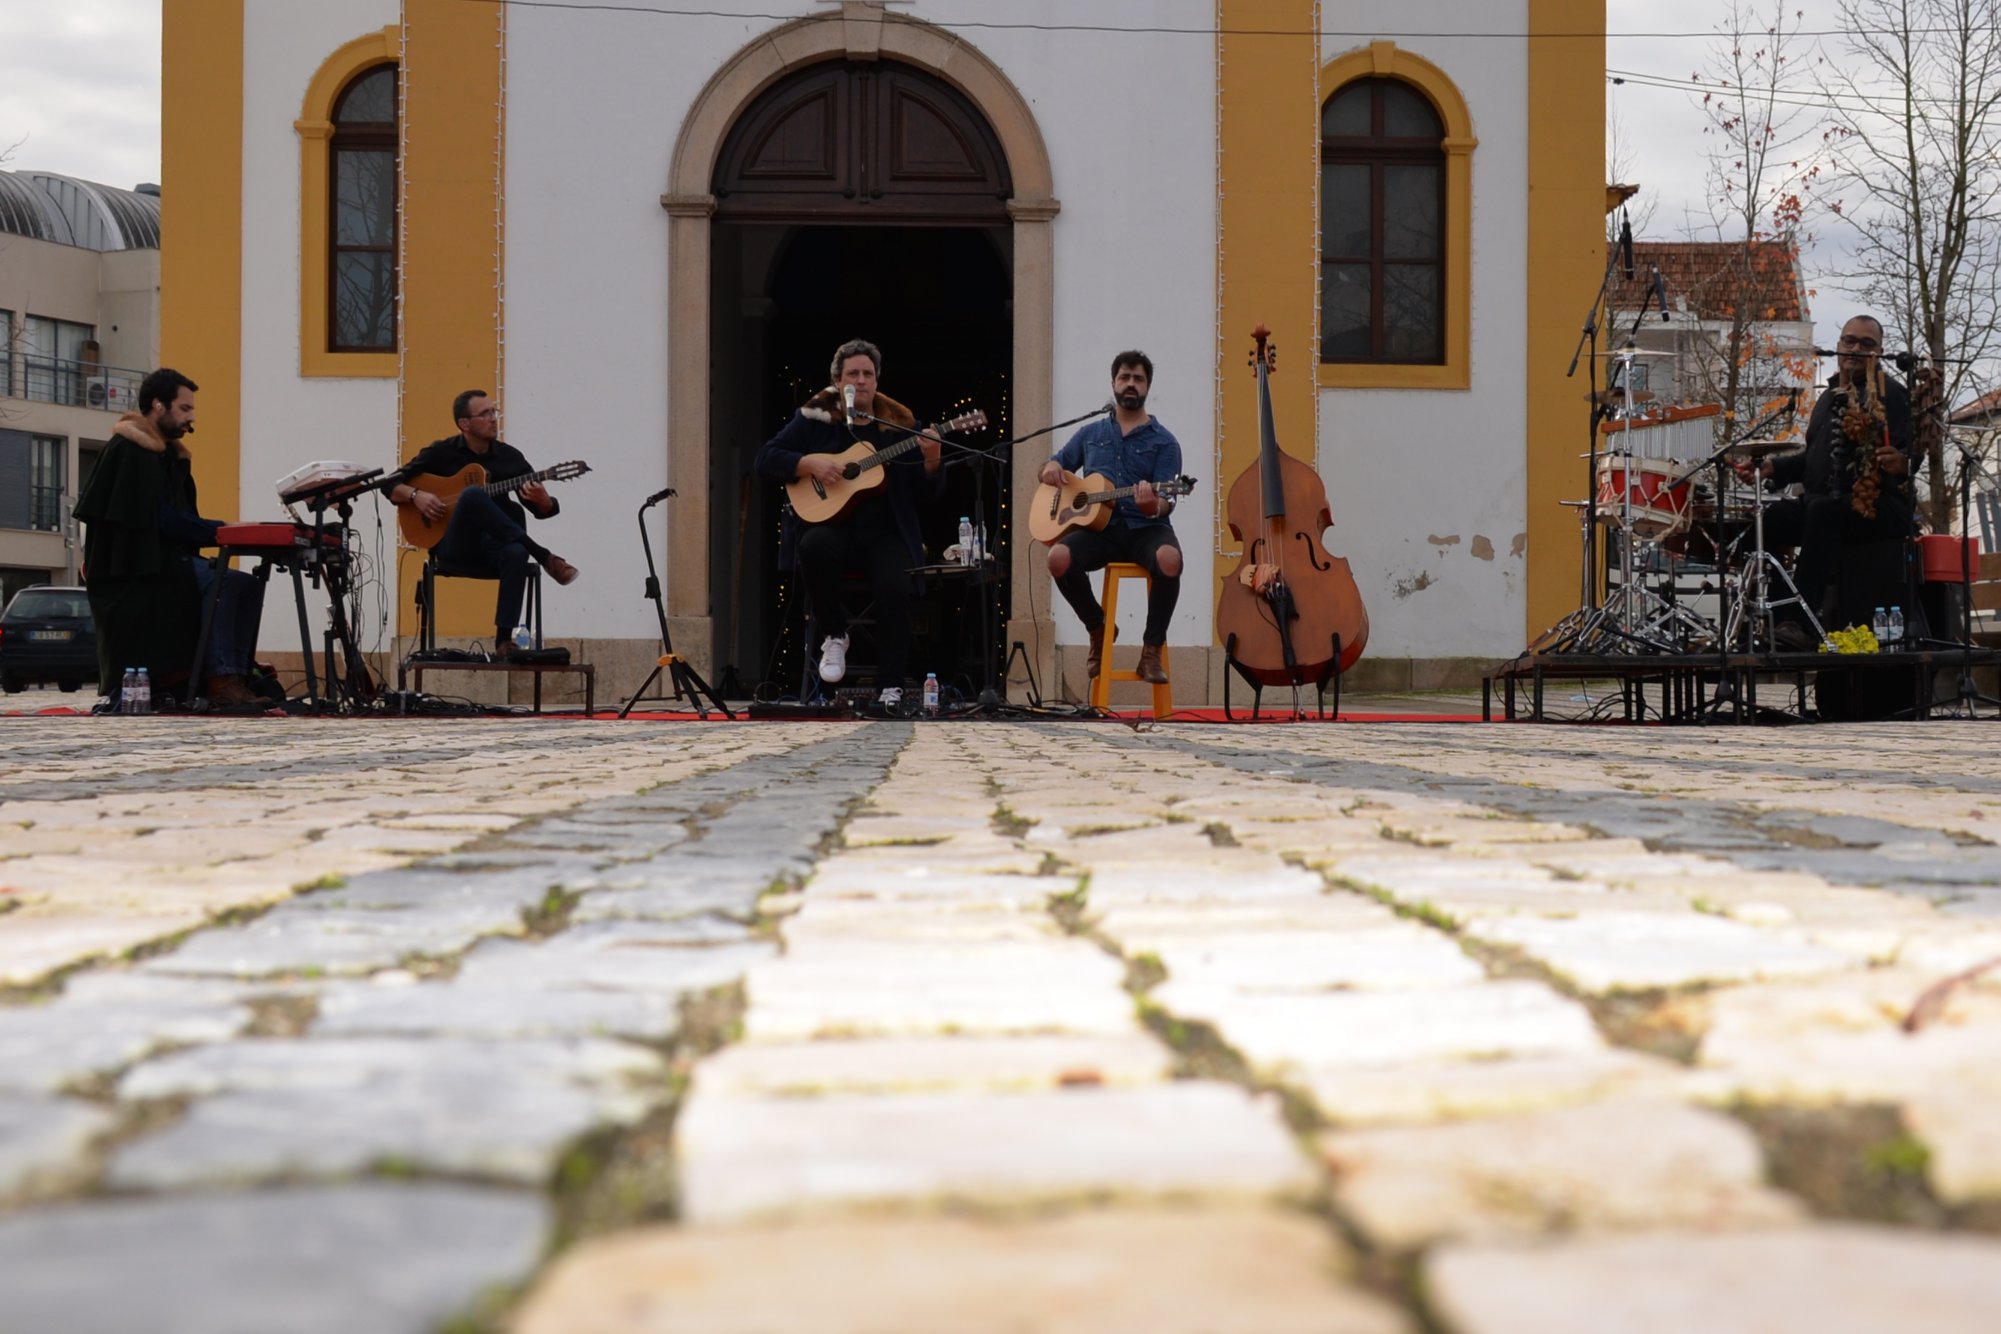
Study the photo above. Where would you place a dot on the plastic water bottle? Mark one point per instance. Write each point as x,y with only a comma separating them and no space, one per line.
1897,626
965,540
128,691
523,639
931,693
145,704
1879,625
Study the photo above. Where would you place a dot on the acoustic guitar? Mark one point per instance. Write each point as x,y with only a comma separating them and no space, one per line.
815,501
1086,502
425,533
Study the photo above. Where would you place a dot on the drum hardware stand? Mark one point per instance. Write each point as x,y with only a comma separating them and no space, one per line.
688,683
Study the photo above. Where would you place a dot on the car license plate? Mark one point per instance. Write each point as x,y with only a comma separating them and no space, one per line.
49,634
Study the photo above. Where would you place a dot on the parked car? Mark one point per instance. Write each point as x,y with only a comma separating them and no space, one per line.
46,634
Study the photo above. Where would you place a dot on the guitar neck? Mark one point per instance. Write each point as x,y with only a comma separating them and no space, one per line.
1100,497
515,483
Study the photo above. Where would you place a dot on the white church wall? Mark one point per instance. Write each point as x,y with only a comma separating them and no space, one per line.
288,419
595,103
1428,488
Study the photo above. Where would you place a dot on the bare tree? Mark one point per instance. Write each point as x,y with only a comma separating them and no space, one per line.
1762,162
1915,143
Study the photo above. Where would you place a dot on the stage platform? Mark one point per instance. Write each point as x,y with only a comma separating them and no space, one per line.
1725,687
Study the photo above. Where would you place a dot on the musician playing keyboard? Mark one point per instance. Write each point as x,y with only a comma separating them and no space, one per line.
487,534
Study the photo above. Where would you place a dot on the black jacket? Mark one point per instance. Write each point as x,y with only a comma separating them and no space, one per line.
444,458
814,429
1826,467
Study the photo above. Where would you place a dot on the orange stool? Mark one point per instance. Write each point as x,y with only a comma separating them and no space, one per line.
1101,689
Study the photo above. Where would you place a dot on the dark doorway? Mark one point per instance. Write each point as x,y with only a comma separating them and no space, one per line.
936,299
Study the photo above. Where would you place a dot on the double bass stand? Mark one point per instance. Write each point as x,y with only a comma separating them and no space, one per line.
1332,675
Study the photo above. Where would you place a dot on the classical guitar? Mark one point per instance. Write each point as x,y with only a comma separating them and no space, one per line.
1086,502
861,471
426,533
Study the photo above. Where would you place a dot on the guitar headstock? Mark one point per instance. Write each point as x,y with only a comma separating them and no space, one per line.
563,472
1174,486
975,420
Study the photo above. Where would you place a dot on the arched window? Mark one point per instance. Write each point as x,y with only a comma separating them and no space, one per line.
348,187
361,273
1382,225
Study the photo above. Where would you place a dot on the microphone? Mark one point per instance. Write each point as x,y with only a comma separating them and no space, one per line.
657,497
848,402
1626,244
1906,361
1660,294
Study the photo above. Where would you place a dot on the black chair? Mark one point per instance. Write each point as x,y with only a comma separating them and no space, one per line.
435,569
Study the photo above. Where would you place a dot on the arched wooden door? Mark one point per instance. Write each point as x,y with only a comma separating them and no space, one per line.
862,142
854,199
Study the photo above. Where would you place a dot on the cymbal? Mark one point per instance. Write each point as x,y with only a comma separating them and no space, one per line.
1757,449
1635,352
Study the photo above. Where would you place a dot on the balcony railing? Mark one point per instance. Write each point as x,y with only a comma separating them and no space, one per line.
78,384
45,509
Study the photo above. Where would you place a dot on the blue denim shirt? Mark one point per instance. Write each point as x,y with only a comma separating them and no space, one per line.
1149,454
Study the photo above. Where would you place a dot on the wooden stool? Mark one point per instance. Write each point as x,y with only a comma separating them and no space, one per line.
1101,688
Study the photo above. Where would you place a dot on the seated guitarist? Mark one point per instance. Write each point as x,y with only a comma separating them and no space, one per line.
486,534
1130,448
877,533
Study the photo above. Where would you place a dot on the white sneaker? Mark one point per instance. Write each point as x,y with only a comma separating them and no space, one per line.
833,658
890,698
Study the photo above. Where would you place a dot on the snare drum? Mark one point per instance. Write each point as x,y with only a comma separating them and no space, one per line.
1660,495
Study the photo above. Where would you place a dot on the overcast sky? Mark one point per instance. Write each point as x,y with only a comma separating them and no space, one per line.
80,94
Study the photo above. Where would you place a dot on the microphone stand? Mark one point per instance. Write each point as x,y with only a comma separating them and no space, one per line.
688,683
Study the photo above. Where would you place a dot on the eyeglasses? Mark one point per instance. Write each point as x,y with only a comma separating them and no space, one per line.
1863,344
495,412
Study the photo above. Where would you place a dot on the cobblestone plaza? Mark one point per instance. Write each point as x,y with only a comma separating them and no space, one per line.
563,1026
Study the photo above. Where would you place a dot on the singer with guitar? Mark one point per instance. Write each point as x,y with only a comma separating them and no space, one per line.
485,532
1129,449
876,530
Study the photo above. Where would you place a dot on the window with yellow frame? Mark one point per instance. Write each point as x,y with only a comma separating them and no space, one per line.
349,153
1396,238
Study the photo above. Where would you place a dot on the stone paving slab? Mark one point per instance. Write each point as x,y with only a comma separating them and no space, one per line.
280,1109
933,1064
103,1023
1615,1166
1220,1271
1357,1029
43,1140
862,988
1830,1279
1449,1090
1628,951
745,1157
388,1259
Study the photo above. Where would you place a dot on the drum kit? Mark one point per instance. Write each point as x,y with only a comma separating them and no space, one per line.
1669,502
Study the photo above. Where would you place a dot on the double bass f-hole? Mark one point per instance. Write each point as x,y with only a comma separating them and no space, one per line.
1312,558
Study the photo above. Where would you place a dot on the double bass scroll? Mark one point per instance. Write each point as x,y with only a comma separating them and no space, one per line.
1290,613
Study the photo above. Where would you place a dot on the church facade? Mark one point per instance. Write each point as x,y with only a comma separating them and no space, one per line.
643,230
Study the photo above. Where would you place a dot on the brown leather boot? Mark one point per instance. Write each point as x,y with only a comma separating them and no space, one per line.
228,692
1094,661
1150,669
561,570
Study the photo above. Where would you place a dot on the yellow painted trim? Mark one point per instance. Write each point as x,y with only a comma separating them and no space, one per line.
1268,242
201,232
1566,255
315,127
1387,60
454,62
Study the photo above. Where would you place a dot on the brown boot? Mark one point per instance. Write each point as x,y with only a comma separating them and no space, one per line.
1094,661
561,570
1150,669
228,692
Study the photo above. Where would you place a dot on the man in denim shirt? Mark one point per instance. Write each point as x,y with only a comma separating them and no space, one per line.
1129,449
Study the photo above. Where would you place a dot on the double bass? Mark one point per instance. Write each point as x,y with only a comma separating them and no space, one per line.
1290,613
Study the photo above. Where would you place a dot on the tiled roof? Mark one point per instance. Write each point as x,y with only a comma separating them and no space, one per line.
1704,274
1979,410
